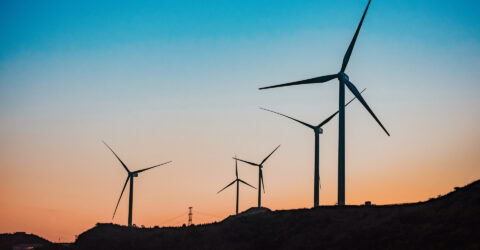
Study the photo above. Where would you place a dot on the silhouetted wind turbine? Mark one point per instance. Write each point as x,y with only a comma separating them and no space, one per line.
130,177
237,180
317,130
260,174
343,80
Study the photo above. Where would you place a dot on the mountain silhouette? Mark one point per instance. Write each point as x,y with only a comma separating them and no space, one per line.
446,222
21,240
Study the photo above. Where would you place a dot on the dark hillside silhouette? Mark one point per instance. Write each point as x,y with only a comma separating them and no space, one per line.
446,222
21,240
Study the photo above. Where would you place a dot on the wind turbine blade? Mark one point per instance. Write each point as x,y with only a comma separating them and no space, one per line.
123,164
334,114
364,103
304,123
246,183
261,179
346,58
145,169
227,186
308,81
236,167
251,163
118,202
264,160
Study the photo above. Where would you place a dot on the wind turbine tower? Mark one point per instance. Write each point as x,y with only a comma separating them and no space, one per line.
237,180
317,130
260,174
130,177
343,80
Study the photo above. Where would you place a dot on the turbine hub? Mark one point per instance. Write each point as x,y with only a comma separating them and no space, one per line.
343,76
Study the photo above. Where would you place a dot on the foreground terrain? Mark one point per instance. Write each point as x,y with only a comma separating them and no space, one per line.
450,221
21,240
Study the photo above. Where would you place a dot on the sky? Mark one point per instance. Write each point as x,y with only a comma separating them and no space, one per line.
178,80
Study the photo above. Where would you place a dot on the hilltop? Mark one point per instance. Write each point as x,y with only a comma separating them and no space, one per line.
21,240
449,221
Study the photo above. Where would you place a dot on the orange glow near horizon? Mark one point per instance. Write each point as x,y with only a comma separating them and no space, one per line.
58,209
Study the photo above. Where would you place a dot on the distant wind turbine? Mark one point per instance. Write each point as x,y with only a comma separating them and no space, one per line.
317,130
343,80
130,177
237,180
260,175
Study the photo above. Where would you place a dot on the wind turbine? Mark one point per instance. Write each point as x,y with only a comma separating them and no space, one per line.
130,177
260,174
317,130
343,80
237,180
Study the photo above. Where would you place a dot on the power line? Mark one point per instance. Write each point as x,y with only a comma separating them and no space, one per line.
173,218
190,216
210,215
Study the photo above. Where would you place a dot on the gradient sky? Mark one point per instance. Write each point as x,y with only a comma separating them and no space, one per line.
177,80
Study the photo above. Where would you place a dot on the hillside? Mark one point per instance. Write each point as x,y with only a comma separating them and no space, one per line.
450,221
21,240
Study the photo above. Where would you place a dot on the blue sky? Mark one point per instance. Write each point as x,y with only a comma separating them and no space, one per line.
201,44
59,26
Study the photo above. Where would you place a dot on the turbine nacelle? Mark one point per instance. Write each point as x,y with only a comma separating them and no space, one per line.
135,175
318,130
342,76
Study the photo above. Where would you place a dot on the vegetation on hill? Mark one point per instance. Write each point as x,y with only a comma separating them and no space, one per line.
450,221
21,240
446,222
